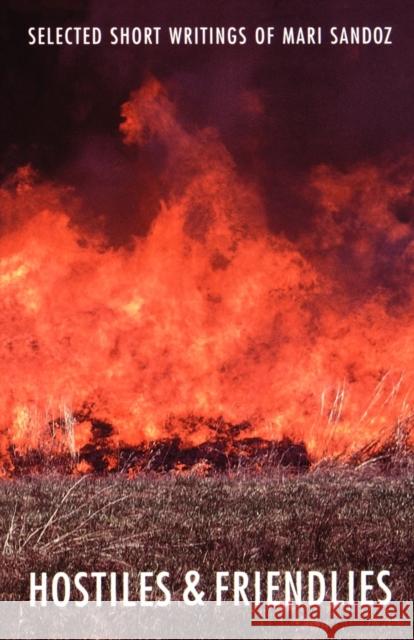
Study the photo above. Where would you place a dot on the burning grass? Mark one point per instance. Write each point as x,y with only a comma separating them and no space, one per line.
210,313
332,517
229,448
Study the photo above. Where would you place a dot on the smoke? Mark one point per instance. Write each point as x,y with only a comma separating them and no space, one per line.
279,110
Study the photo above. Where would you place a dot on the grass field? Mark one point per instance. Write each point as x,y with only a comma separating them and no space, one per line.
327,519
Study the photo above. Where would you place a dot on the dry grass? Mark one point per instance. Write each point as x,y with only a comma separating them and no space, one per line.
331,518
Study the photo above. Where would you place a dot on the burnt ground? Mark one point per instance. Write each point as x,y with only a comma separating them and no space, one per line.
228,448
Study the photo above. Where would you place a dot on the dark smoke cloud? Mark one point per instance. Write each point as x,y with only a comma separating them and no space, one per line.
280,111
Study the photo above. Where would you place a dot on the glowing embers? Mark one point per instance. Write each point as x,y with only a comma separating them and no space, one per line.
227,449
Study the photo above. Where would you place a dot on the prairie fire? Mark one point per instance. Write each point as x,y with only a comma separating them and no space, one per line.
210,329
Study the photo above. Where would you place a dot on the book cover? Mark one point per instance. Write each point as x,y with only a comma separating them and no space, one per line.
206,319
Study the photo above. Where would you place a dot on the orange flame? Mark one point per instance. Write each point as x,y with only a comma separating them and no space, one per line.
210,314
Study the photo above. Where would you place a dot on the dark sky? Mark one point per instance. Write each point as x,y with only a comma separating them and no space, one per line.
339,105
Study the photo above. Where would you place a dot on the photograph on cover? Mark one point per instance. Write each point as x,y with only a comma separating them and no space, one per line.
207,319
